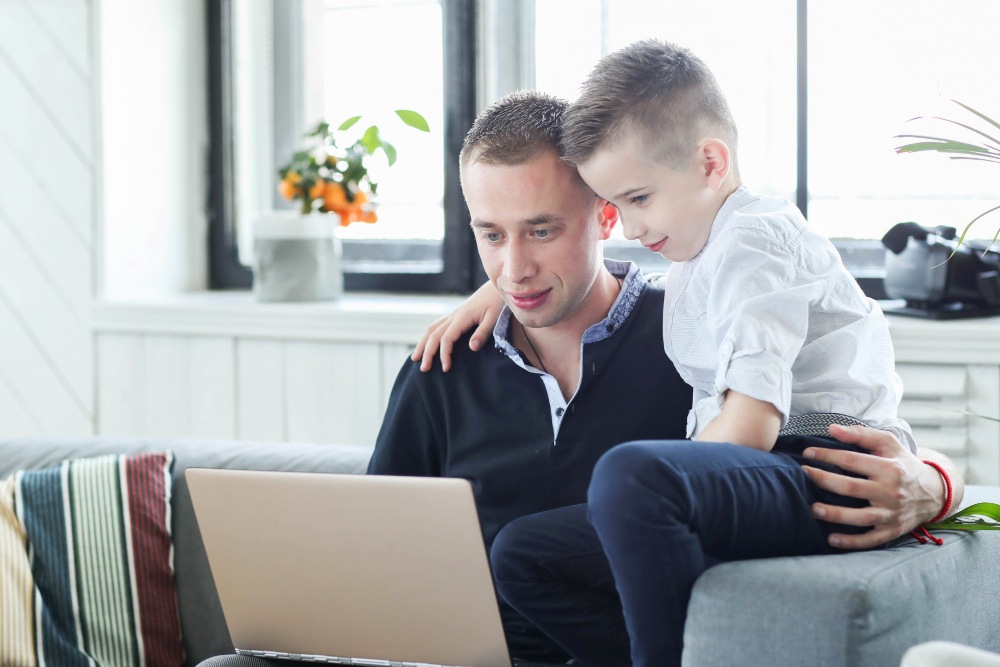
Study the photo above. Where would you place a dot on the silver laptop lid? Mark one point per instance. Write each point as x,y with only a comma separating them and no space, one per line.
352,566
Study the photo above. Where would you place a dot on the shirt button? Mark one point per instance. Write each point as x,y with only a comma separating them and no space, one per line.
727,348
559,412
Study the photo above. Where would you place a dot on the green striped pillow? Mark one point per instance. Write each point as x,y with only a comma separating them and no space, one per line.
86,565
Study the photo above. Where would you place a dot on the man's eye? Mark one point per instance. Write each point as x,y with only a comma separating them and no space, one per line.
493,237
542,233
639,200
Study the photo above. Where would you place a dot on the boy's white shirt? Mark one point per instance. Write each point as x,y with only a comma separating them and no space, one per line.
768,309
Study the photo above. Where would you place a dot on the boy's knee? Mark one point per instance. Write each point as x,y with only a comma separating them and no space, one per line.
616,473
627,475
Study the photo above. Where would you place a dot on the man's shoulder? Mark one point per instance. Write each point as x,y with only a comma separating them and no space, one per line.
464,362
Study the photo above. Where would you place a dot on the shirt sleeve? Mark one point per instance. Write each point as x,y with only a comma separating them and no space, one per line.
758,315
407,443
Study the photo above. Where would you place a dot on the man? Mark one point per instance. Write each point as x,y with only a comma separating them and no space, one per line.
577,367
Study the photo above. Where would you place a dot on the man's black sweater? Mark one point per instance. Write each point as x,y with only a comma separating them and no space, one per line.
488,420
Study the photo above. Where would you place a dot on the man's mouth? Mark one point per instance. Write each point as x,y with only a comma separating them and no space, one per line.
656,246
529,300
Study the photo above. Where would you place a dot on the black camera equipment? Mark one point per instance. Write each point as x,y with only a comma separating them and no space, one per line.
918,269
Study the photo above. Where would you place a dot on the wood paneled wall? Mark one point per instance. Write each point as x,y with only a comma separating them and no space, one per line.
48,184
245,388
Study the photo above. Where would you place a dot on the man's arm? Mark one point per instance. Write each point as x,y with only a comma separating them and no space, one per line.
407,443
903,492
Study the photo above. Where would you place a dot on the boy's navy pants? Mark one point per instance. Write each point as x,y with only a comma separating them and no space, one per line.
659,514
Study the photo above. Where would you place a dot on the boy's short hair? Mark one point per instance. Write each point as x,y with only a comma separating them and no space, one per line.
515,129
660,89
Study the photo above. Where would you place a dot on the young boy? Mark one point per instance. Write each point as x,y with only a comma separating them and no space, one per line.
761,318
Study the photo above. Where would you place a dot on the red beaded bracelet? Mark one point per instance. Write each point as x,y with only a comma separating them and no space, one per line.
944,511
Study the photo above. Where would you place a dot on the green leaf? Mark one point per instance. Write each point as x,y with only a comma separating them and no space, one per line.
988,120
988,513
970,128
940,145
370,140
413,119
321,130
966,231
349,123
390,152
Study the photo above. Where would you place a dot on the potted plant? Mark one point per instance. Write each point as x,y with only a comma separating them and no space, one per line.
984,151
297,254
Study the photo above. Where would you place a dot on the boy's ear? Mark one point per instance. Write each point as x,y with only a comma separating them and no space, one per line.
608,217
715,158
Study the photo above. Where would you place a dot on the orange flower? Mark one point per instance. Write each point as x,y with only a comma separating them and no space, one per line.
316,191
334,197
287,189
369,216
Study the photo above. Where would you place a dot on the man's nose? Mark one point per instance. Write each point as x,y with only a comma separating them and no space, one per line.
518,265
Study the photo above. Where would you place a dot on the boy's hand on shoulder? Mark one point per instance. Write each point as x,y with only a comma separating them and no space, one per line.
482,308
902,491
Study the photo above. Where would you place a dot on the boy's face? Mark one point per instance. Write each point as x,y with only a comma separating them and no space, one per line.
670,211
539,232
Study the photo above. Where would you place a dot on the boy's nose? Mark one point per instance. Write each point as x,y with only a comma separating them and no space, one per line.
631,231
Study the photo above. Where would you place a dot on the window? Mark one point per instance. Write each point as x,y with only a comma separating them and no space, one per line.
293,64
872,66
818,90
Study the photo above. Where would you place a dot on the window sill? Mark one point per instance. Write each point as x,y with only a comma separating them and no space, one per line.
367,317
402,318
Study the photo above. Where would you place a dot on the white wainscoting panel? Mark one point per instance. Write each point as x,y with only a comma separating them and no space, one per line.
334,392
166,386
48,190
245,388
941,401
260,390
391,362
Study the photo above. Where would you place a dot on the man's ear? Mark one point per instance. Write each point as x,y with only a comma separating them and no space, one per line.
608,217
714,158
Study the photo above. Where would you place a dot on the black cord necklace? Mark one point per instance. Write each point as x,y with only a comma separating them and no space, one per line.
532,345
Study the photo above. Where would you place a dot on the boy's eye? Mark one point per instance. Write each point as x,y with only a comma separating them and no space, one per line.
492,237
639,199
542,233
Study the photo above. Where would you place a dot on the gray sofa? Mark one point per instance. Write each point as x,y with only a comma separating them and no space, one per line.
855,610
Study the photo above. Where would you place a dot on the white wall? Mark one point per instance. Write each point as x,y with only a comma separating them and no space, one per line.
49,204
154,98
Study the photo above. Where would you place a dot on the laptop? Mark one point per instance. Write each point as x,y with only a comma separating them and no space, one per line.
350,569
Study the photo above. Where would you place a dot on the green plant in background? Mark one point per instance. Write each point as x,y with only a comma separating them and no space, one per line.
336,180
988,151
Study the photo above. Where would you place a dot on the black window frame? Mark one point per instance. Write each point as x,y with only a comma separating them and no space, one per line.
461,269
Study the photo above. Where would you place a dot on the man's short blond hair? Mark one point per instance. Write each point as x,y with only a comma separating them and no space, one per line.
515,129
658,89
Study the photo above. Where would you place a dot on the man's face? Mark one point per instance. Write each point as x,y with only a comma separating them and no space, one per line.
539,231
669,210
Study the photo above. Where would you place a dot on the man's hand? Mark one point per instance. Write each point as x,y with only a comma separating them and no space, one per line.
903,491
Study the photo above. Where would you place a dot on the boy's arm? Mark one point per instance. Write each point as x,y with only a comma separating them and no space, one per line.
744,421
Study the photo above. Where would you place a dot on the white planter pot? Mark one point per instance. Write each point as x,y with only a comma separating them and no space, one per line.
296,257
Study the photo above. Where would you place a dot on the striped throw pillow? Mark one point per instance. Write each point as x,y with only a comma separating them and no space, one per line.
86,565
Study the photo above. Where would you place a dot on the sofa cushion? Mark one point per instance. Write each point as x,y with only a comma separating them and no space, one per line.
96,536
849,610
202,622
